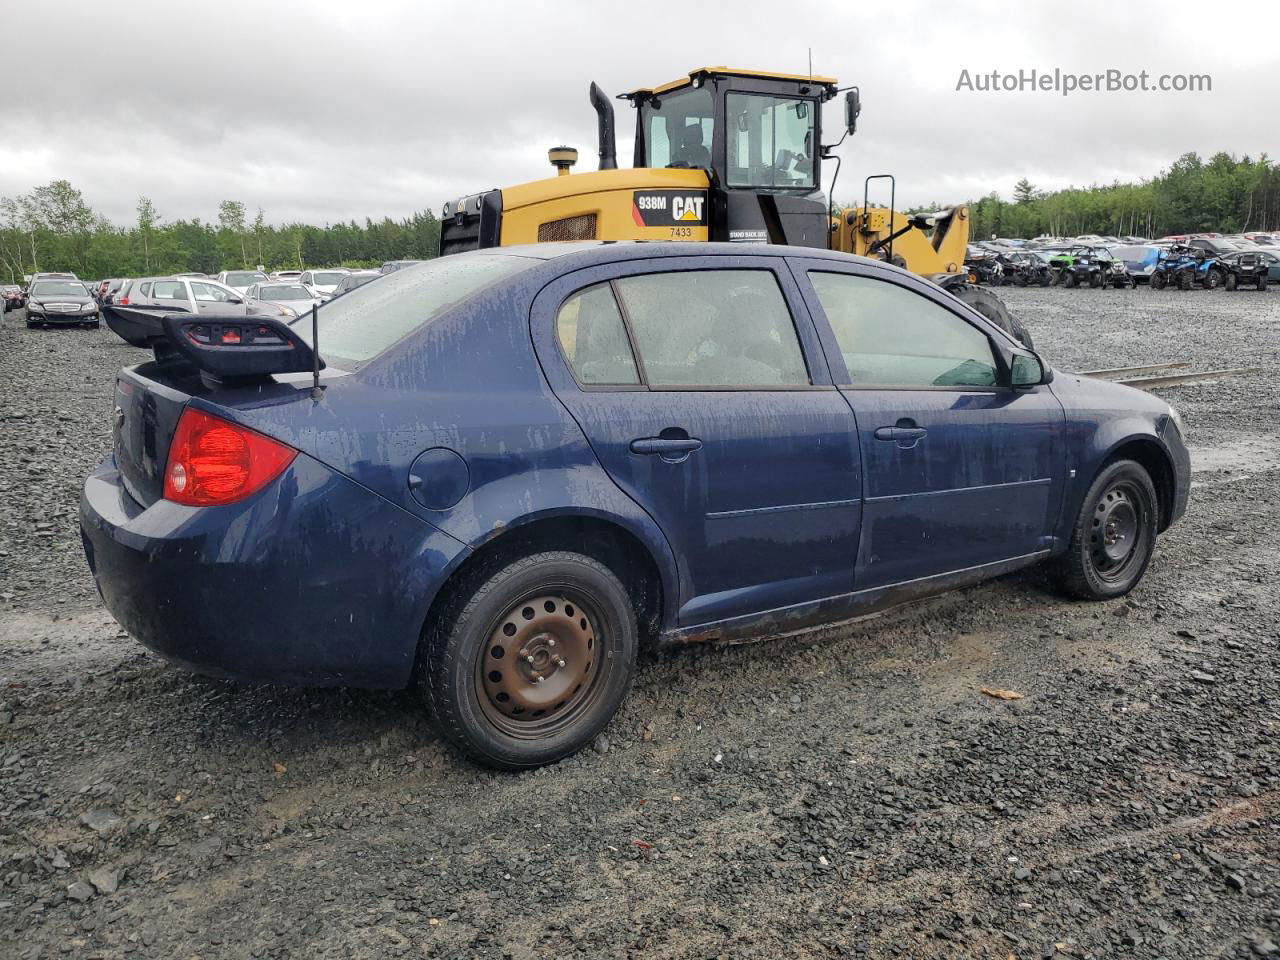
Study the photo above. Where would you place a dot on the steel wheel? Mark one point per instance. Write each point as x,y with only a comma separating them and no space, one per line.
1115,531
539,670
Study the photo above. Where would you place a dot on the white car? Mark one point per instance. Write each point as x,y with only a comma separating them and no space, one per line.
286,295
323,283
289,275
241,280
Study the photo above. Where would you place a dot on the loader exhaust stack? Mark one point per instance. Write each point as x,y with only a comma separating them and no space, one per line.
604,123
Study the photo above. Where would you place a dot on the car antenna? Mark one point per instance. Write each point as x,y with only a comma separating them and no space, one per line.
316,392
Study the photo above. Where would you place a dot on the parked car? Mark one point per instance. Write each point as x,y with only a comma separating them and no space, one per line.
241,280
111,290
323,283
391,266
355,279
60,302
291,298
525,463
140,298
285,275
12,294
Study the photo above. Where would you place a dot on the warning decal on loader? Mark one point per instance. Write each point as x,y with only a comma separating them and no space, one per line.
669,208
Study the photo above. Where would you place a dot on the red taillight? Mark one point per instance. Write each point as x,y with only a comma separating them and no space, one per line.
123,301
213,461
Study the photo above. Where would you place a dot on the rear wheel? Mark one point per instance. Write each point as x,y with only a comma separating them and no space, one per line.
1230,282
1114,534
1157,281
1095,279
528,666
1212,280
1046,279
1262,282
1068,278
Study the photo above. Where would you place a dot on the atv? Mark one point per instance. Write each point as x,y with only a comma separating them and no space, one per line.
1182,266
1026,270
983,267
1247,268
1076,266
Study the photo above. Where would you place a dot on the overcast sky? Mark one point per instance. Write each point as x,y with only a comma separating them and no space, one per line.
323,111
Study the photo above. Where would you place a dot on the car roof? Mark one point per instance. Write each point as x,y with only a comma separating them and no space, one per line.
591,252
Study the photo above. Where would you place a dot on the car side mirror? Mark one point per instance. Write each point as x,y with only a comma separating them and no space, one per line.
852,108
1026,369
234,300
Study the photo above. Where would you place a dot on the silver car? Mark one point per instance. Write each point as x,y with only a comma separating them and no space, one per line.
289,296
241,280
323,283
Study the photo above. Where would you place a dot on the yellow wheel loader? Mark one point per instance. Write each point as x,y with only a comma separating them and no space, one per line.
721,155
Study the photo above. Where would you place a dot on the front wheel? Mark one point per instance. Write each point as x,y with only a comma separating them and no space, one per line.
532,663
1231,281
1114,534
1157,281
1212,279
1068,278
1262,282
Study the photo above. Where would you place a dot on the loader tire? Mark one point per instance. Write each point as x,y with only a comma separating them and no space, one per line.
994,309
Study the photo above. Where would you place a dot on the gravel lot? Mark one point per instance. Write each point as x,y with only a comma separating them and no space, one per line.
844,793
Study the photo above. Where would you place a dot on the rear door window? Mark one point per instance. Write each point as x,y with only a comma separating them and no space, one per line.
712,328
891,336
169,290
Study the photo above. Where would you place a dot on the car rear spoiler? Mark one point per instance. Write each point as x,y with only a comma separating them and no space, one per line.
221,348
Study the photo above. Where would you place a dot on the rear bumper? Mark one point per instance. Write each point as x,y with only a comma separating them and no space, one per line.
314,581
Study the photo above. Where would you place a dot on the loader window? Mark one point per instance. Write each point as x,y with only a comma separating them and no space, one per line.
677,129
770,141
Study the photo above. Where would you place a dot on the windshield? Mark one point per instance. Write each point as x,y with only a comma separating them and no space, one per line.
770,141
677,129
58,288
326,278
284,291
365,322
244,278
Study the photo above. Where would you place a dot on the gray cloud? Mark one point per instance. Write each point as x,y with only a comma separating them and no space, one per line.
327,111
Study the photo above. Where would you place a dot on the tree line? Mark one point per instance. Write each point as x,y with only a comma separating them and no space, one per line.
54,228
1222,194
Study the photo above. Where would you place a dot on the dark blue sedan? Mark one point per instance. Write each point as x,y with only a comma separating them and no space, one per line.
522,464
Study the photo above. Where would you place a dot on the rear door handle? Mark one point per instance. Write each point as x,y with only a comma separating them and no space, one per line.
666,448
906,437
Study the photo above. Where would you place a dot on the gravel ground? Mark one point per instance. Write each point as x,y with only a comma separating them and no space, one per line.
843,793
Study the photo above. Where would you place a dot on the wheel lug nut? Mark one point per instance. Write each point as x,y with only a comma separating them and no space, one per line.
529,657
560,662
537,678
551,641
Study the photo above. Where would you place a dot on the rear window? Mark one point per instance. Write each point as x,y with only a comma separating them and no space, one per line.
365,322
240,278
328,279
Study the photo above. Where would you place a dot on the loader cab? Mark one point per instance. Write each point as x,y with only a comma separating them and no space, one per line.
758,136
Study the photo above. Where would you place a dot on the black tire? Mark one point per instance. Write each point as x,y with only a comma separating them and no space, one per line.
994,309
1262,282
96,325
1113,536
1212,280
1046,279
1231,281
1185,280
1157,281
460,660
1068,278
1095,279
